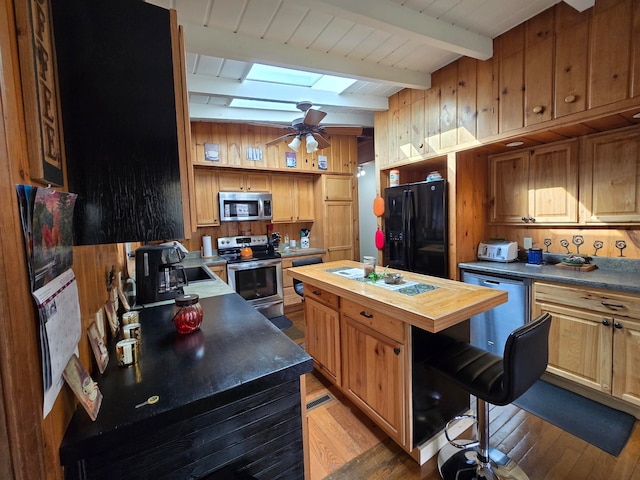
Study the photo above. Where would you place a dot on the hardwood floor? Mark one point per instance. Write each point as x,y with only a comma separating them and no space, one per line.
345,444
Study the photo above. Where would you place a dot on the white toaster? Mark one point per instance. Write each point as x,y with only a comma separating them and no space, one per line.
498,250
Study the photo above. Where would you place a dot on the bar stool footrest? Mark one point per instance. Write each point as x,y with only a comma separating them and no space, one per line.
456,464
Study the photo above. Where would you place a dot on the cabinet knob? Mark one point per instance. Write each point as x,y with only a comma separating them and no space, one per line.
532,220
396,351
365,314
538,109
617,325
569,99
525,219
316,292
606,322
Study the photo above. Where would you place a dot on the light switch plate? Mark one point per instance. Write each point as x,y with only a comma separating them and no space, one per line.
528,243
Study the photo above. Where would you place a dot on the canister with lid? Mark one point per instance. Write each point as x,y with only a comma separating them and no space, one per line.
187,313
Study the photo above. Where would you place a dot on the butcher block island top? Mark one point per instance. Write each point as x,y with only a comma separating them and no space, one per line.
432,309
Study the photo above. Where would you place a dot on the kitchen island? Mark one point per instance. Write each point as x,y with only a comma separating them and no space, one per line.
230,398
371,339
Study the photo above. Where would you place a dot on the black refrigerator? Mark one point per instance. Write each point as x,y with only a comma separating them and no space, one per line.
415,225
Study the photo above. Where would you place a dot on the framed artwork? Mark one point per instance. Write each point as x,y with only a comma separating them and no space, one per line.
38,73
211,152
291,159
83,386
98,347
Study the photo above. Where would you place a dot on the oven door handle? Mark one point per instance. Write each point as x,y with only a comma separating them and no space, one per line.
253,265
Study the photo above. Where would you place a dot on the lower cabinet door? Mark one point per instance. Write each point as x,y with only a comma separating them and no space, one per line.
580,346
373,375
322,338
626,360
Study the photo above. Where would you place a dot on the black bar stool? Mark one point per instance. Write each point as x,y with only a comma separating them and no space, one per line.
491,379
297,284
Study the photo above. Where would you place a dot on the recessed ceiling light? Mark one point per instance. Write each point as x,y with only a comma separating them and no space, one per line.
515,144
637,115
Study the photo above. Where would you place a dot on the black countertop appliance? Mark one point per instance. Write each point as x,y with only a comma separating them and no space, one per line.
159,275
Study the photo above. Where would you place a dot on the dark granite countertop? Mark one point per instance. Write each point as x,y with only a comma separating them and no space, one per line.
612,273
236,351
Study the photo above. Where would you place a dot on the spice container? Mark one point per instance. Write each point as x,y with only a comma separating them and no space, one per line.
187,313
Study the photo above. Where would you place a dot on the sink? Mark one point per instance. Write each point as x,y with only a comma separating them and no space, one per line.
198,274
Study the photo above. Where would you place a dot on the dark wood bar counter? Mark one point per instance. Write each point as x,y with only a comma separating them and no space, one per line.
229,398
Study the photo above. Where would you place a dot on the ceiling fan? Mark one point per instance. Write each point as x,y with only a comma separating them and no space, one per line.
307,128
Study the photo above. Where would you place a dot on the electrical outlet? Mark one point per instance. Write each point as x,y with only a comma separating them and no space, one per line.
528,243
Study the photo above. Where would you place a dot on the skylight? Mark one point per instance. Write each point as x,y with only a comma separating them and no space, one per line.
288,76
262,105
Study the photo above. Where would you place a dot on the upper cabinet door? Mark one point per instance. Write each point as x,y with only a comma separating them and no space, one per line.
509,187
610,177
538,186
572,36
120,92
610,44
553,183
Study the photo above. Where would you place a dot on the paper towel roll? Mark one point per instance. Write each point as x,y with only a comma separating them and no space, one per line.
206,246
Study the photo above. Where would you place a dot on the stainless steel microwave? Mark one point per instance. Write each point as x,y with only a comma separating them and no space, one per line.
244,206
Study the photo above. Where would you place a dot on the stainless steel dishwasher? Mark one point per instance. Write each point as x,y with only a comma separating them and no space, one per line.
490,329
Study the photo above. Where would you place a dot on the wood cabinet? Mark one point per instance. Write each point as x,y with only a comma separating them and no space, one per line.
535,186
339,230
322,337
609,71
337,187
610,177
373,365
220,270
292,198
206,198
244,182
571,60
538,63
557,69
594,338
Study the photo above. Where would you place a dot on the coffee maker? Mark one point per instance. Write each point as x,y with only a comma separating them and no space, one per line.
159,275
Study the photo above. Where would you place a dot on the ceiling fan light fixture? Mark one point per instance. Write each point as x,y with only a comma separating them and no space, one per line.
295,143
312,144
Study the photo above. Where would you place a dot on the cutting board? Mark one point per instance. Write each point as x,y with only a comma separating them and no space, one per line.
578,268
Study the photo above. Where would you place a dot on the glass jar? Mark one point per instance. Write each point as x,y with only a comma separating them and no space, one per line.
187,313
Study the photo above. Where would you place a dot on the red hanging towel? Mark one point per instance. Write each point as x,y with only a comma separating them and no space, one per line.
379,239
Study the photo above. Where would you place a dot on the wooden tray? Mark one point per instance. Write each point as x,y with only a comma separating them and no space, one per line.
578,268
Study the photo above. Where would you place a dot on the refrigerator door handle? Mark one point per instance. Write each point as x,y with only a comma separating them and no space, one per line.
409,234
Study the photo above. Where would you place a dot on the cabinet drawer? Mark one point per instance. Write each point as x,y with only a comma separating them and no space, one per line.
384,324
596,300
322,296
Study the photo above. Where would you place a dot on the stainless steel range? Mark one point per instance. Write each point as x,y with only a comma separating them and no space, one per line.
254,271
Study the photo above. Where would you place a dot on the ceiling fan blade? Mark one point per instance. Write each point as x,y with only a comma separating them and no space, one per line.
280,139
322,142
337,130
313,117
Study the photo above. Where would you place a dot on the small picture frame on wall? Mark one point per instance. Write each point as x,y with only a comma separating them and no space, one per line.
212,152
322,162
291,159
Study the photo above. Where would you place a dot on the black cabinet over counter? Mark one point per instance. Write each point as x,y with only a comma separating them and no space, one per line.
122,115
229,399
